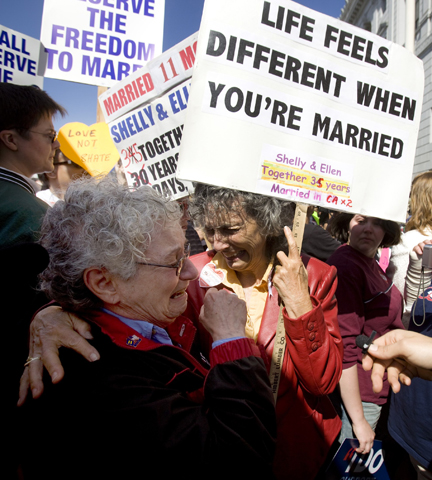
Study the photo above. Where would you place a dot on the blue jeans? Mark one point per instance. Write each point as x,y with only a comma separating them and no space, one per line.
372,414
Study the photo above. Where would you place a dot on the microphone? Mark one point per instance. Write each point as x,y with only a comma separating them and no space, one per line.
364,342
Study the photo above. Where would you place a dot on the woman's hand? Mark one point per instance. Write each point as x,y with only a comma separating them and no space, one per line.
223,314
403,355
365,435
51,329
350,394
291,280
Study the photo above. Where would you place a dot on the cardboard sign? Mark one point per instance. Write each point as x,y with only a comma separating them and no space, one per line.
347,464
148,140
100,42
89,147
146,113
19,58
163,73
291,103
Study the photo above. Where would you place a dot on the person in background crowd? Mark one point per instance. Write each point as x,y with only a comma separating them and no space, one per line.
190,232
250,259
324,217
28,143
118,258
313,215
405,262
57,181
367,301
410,416
193,238
317,242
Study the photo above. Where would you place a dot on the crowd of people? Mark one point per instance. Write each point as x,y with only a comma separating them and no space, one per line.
198,337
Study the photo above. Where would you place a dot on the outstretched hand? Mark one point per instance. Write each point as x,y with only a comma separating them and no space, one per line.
291,280
403,354
51,329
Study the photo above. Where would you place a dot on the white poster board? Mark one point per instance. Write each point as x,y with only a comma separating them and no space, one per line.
164,72
100,42
146,114
291,103
19,58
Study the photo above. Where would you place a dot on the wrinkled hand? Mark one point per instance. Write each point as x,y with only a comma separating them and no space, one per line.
403,354
223,314
51,329
419,248
365,435
291,280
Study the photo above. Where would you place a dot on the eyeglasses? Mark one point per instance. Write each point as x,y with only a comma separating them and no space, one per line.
178,266
66,162
51,136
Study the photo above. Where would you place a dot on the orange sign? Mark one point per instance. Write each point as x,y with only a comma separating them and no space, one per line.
90,147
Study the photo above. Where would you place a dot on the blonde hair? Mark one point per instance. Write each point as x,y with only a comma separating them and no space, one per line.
421,203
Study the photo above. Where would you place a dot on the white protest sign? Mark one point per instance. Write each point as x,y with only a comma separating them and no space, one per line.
291,103
100,42
158,76
148,140
146,124
19,58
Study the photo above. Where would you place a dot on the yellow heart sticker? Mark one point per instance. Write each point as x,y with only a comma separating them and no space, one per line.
91,147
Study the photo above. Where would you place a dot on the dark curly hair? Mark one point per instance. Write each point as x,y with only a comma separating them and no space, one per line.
270,214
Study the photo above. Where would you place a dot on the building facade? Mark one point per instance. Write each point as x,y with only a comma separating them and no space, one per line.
387,19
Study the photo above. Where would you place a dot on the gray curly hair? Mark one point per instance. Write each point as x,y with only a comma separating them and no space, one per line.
100,223
270,214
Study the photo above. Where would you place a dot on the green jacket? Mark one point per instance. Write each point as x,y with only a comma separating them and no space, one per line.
21,212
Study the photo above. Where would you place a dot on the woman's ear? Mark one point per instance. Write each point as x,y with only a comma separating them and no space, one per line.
100,282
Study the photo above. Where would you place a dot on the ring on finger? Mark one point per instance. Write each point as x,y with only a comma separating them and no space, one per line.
31,359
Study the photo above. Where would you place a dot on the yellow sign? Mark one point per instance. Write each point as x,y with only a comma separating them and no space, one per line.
90,147
294,177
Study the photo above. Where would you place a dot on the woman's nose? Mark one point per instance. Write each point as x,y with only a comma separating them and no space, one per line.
189,271
219,241
368,225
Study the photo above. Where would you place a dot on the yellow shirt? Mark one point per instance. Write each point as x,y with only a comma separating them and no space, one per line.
257,299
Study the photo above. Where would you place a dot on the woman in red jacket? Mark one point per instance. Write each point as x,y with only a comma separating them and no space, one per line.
247,234
249,241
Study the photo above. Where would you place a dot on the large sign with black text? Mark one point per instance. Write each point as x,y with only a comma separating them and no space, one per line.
291,103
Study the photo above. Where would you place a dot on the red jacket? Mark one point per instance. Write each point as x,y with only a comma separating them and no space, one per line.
307,421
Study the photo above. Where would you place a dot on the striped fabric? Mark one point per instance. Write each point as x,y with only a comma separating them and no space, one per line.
16,178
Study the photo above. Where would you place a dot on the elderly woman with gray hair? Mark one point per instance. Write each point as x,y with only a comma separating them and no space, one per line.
148,408
255,257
